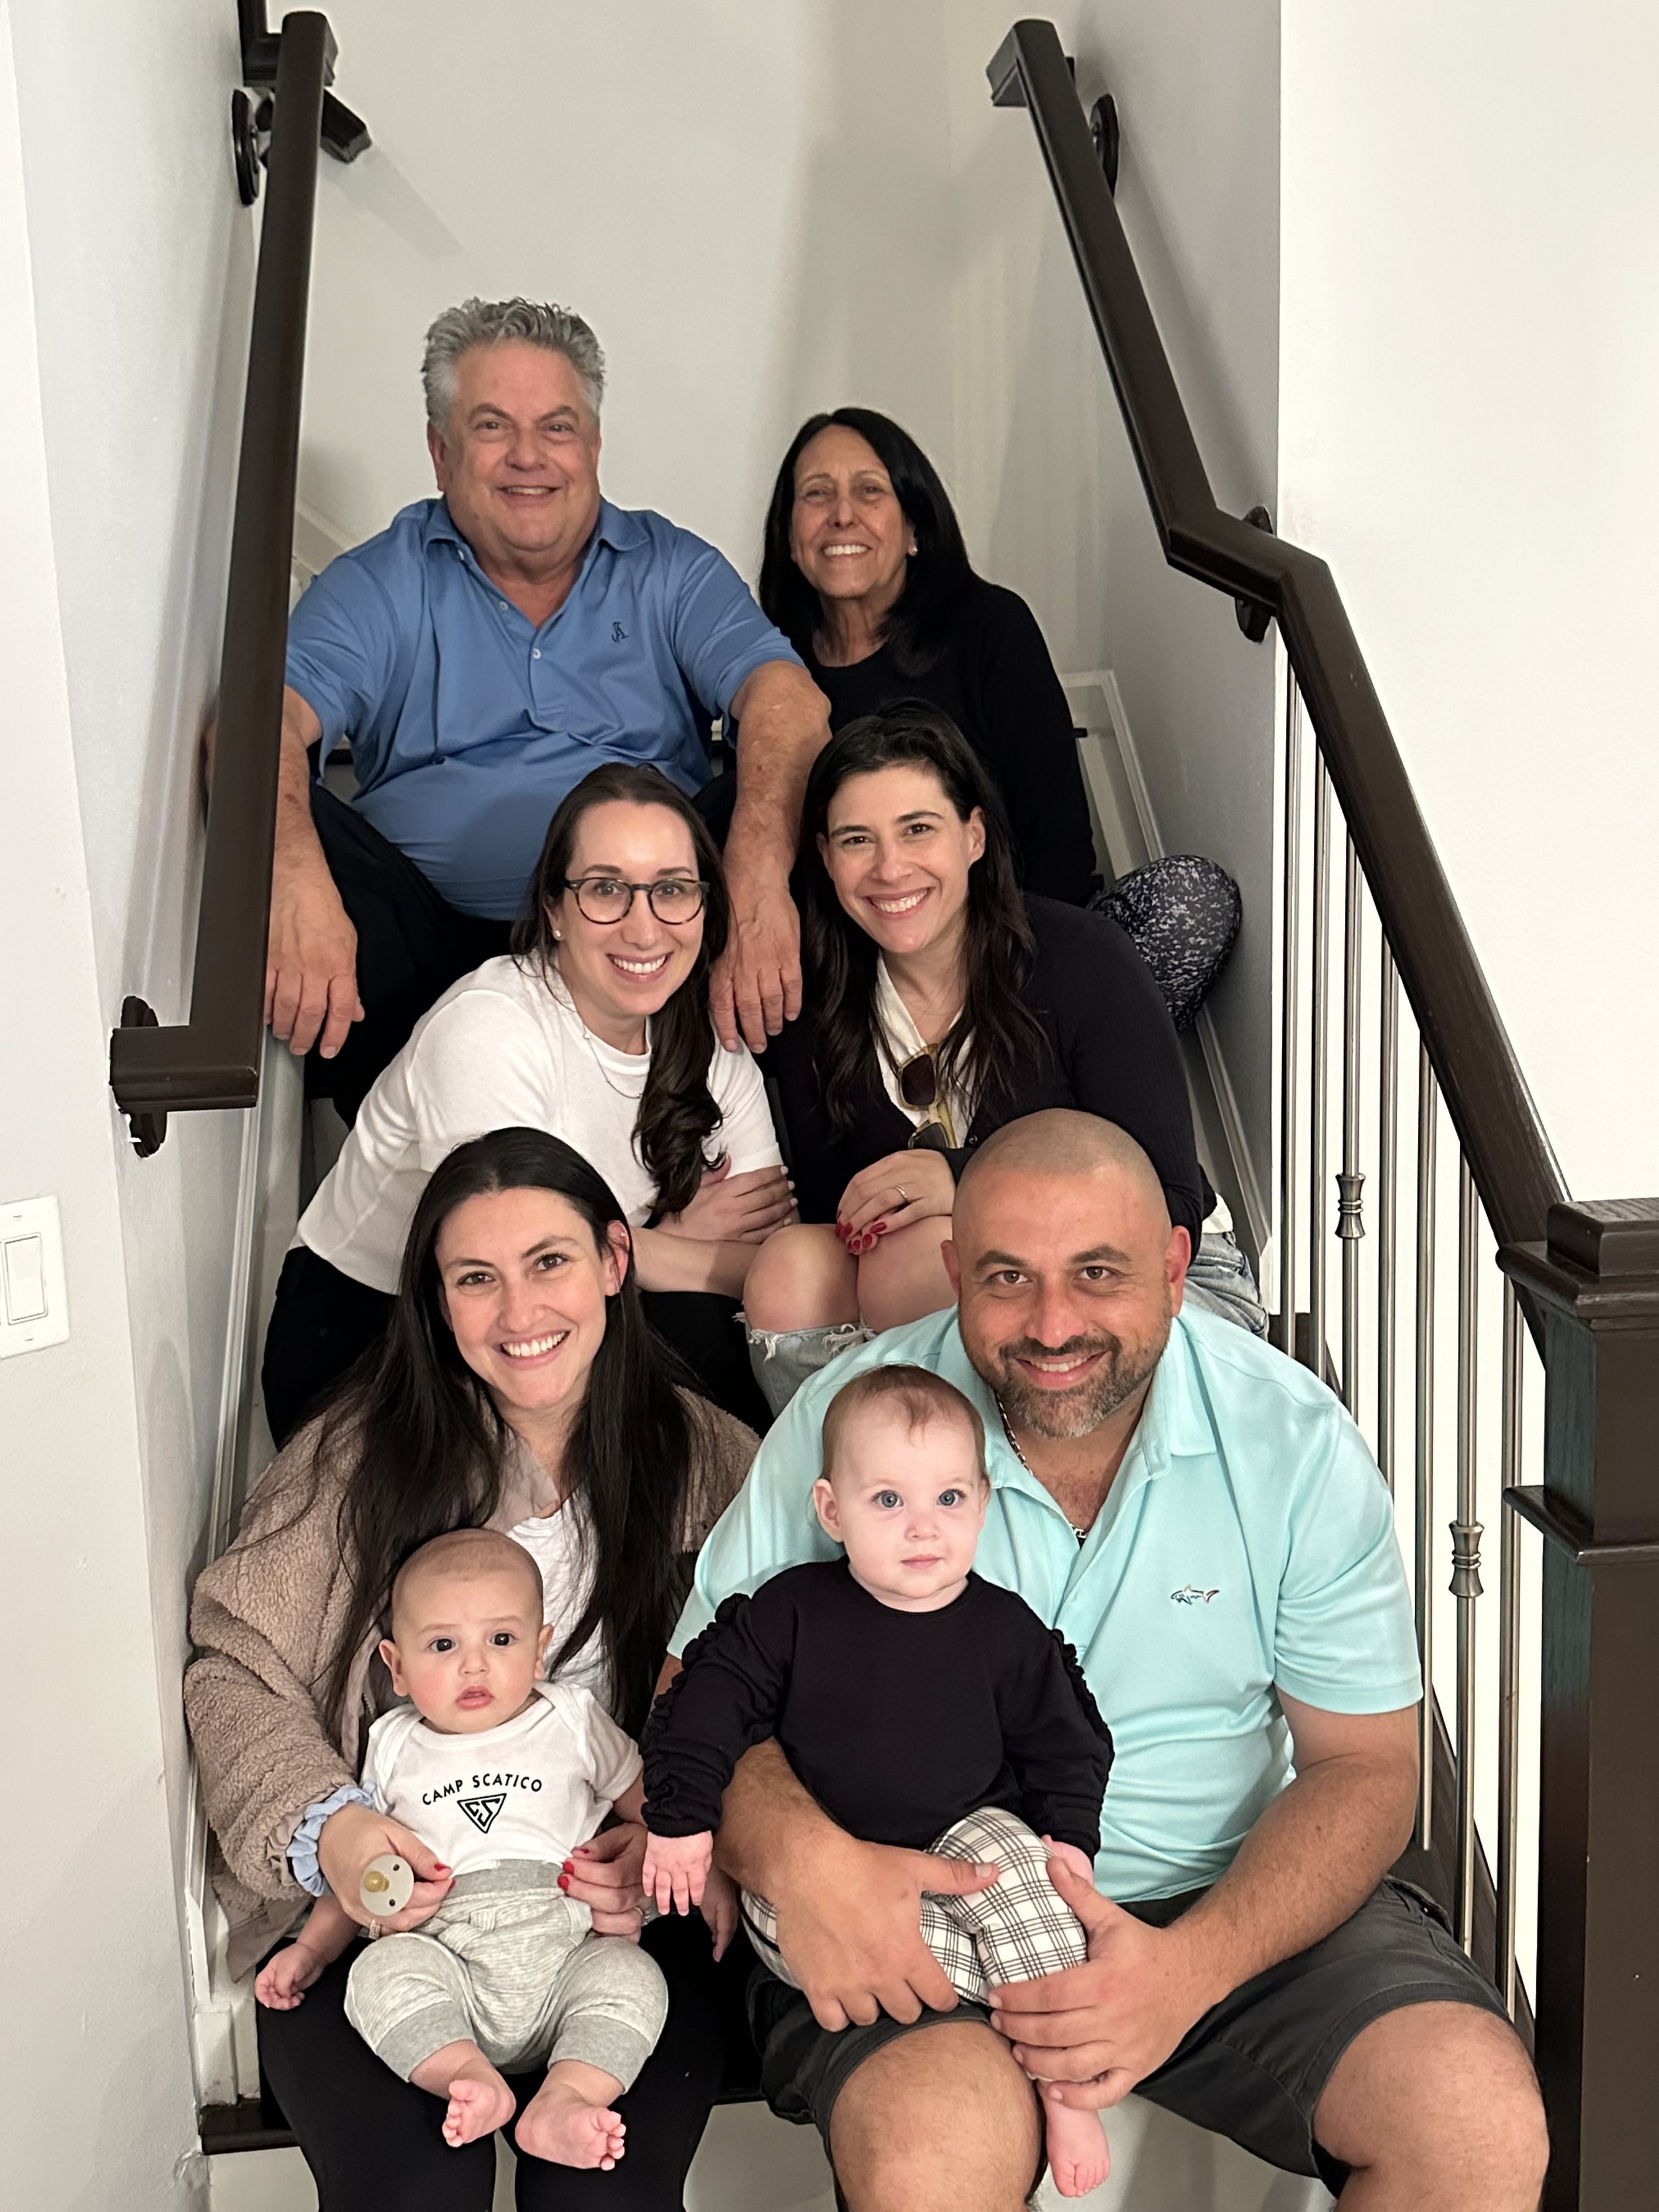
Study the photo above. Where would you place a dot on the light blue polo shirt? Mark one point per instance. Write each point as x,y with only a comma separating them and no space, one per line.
468,724
1247,1546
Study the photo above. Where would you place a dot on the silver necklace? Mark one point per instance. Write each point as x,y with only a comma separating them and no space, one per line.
1082,1534
593,1044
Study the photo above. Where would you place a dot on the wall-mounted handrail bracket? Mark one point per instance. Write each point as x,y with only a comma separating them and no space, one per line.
147,1127
342,133
1104,133
1255,618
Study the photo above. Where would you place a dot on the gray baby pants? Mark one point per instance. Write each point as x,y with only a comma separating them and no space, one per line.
509,1962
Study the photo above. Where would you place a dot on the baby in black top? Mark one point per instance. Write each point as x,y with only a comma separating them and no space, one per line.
921,1706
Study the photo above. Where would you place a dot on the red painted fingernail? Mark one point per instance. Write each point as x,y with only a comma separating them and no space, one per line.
564,1881
880,1229
567,1866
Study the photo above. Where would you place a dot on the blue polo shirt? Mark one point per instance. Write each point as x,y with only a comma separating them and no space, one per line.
1247,1547
468,724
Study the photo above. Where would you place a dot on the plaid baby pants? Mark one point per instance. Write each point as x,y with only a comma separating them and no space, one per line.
1017,1931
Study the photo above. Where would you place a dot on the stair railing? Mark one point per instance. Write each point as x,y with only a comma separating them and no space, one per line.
213,1059
1548,1877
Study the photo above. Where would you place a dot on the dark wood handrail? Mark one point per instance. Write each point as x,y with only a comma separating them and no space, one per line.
213,1059
1491,1110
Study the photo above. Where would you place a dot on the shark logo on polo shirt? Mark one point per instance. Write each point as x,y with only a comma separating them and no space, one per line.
481,1811
1190,1594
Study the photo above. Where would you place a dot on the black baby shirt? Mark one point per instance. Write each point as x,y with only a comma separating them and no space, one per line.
899,1724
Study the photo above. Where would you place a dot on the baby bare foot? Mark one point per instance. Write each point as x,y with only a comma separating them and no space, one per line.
476,2108
1077,2157
479,2100
569,2122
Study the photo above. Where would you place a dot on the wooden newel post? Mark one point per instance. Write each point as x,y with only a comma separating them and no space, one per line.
1595,1283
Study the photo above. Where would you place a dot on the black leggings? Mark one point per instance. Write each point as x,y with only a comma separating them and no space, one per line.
374,2143
411,945
323,1320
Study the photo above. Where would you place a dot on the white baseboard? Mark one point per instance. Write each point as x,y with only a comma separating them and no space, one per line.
1127,836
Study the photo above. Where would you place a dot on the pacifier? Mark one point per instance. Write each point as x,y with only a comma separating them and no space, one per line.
387,1885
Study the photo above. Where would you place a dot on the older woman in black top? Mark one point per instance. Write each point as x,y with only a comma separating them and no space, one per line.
941,1002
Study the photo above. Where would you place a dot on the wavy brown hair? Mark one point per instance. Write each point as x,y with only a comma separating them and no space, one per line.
677,1115
995,1028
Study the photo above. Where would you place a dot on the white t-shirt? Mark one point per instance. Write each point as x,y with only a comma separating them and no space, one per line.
562,1545
532,1789
505,1048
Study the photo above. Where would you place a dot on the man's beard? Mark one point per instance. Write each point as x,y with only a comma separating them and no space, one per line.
1078,1412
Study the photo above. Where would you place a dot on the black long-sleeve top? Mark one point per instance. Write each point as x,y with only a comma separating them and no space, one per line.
1112,1051
994,678
899,1724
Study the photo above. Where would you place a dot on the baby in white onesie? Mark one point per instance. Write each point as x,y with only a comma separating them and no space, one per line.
502,1774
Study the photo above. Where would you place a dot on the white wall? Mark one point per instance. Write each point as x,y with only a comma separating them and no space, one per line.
1469,432
142,273
97,2087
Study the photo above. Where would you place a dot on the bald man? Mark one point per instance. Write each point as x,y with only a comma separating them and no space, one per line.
1200,1520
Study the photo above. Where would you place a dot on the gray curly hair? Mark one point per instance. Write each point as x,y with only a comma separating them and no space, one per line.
493,322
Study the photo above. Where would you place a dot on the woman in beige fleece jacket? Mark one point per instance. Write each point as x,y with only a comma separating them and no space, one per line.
518,1387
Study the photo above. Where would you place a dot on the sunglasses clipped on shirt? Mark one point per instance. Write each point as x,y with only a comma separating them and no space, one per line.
606,899
918,1087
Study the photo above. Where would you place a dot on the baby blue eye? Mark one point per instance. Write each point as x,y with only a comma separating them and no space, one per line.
950,1496
887,1499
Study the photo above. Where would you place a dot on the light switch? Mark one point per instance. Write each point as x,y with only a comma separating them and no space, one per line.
26,1278
34,1300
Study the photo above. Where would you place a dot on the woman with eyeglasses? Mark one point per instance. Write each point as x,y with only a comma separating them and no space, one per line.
595,1028
940,1001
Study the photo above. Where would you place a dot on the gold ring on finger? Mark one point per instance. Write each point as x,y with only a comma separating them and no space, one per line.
904,1195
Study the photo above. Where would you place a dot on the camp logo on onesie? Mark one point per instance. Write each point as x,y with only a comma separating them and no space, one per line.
489,1794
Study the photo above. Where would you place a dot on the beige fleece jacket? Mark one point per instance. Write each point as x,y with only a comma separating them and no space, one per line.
266,1619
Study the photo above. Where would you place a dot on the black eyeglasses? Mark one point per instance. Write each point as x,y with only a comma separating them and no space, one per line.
606,899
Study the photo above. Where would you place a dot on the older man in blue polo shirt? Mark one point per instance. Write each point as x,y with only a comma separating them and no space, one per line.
480,656
1199,1518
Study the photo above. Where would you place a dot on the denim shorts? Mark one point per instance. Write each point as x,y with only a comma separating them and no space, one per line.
1253,2068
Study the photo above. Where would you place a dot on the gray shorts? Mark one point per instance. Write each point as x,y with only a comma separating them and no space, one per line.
1254,2068
510,1963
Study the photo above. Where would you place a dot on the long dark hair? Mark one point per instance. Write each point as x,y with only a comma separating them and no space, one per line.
427,1442
840,960
938,569
677,1115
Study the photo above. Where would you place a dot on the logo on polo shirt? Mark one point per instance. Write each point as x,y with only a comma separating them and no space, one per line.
481,1811
1190,1594
617,633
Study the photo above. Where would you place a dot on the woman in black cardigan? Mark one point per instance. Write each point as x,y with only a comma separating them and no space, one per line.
941,1002
865,572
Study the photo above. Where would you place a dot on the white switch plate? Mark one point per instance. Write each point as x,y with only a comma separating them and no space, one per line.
31,1276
